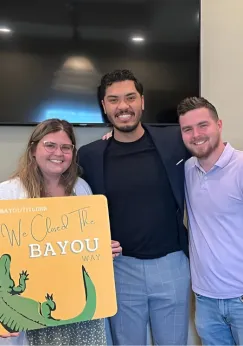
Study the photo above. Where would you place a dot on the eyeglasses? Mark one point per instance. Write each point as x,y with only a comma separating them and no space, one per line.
51,147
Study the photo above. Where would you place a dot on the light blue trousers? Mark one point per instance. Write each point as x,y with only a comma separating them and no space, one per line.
154,292
219,321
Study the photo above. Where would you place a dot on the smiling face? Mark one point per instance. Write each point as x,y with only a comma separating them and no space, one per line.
123,105
51,160
201,132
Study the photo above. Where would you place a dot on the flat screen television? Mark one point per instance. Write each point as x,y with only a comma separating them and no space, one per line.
53,54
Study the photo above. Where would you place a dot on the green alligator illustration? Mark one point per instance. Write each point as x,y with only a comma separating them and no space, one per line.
18,313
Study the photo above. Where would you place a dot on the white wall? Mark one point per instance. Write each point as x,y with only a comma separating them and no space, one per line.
221,83
222,63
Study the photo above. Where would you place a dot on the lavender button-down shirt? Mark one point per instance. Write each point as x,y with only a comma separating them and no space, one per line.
215,211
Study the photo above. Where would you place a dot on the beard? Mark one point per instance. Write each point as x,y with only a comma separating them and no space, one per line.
204,152
125,127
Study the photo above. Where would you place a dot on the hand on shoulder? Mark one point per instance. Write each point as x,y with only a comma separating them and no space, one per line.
107,135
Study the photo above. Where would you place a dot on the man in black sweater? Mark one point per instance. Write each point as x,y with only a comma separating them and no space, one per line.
140,170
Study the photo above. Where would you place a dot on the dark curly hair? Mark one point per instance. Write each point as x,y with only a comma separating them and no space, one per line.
118,76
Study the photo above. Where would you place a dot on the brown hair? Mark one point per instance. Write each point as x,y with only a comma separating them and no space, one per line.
28,171
191,103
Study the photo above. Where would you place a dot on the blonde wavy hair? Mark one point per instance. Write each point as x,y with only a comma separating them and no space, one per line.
29,172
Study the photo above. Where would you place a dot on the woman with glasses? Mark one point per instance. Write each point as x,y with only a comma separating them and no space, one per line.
48,169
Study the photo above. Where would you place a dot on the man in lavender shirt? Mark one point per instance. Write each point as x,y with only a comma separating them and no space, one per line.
214,196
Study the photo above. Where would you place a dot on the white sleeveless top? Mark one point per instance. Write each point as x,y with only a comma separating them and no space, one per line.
14,189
